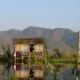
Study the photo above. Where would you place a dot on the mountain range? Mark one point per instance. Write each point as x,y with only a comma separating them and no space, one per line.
60,38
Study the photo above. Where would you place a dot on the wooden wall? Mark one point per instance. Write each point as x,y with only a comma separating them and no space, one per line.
25,47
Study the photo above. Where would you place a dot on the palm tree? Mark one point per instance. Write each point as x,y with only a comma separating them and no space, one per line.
8,58
57,52
7,52
49,62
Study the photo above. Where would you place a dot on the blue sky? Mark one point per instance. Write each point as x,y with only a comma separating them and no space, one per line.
20,14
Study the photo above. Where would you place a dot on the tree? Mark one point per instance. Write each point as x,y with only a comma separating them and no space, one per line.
7,52
8,58
57,53
49,62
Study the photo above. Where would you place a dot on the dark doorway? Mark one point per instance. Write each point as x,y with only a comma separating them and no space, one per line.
31,47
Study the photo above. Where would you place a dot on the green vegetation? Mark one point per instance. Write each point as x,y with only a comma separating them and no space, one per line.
12,78
53,62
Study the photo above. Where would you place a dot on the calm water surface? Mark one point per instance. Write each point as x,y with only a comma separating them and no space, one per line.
64,73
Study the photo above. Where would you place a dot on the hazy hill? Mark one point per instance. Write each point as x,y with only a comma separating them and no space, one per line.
55,38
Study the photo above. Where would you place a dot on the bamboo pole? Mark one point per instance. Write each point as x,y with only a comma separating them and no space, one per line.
78,56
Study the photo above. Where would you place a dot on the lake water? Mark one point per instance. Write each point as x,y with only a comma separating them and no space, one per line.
6,73
63,73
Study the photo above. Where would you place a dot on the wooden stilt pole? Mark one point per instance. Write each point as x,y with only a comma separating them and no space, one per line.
78,56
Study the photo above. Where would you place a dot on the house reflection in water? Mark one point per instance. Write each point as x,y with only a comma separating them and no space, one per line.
30,50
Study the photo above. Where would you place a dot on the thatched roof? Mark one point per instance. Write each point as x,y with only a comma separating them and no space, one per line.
28,40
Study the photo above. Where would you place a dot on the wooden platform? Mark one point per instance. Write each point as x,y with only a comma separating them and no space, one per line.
29,79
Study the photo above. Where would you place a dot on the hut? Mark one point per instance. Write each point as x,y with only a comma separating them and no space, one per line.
31,52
